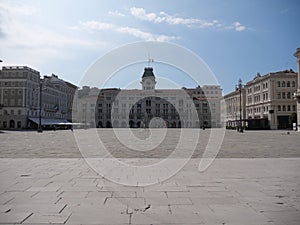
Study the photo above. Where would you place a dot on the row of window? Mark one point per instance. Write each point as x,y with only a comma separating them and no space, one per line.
13,92
284,95
265,109
286,84
265,85
11,112
286,108
11,124
12,102
265,97
12,83
17,74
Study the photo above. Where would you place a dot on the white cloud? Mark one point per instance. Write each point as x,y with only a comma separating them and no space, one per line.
24,10
97,26
164,17
141,14
144,35
239,27
116,13
25,42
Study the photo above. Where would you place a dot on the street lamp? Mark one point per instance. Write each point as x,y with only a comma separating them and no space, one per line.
240,90
40,129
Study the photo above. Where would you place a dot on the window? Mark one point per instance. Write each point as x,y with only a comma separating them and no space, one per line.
294,107
283,95
283,84
288,95
283,108
148,102
279,108
288,108
288,84
293,84
278,83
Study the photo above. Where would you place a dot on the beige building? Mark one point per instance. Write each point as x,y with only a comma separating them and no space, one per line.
213,94
148,106
20,98
269,100
232,108
297,93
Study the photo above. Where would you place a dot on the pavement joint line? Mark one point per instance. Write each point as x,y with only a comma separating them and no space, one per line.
26,218
60,211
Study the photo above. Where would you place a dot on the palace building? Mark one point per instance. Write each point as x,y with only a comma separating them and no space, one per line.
148,106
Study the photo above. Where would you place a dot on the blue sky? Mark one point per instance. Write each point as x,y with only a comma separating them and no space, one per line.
236,39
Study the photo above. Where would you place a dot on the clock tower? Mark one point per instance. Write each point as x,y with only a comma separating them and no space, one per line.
148,79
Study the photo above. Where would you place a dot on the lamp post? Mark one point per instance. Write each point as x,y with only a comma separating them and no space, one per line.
40,129
240,90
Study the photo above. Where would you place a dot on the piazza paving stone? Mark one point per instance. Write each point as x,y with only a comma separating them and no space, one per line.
248,183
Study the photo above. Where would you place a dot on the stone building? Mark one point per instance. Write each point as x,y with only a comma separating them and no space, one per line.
297,93
269,100
232,108
20,92
213,94
148,106
19,96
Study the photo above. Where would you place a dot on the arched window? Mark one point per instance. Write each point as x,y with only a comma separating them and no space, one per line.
283,108
283,84
279,108
278,83
293,84
288,84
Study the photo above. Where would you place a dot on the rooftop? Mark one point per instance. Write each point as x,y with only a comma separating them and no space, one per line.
148,72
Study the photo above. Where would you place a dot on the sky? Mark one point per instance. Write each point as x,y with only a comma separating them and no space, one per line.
236,39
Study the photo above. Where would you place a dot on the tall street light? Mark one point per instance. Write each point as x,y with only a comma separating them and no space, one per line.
40,129
240,90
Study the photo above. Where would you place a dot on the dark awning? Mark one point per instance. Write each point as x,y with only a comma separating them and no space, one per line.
50,121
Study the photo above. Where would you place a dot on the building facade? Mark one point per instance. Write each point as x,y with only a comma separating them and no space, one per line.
269,100
19,96
297,93
235,104
148,106
20,90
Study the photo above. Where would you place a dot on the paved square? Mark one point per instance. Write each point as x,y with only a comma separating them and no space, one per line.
254,180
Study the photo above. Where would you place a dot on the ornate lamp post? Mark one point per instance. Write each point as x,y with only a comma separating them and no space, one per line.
240,122
40,129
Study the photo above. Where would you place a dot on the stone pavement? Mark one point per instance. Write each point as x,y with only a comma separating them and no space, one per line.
254,180
62,144
230,191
